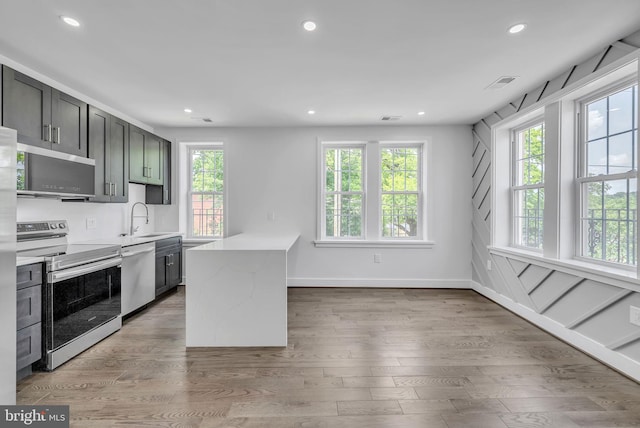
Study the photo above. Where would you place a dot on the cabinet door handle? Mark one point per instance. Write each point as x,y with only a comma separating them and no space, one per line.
47,132
57,136
115,189
107,190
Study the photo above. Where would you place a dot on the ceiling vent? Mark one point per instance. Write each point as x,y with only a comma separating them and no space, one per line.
501,82
390,117
204,119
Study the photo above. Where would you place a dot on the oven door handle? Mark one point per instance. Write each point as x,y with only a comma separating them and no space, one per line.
62,275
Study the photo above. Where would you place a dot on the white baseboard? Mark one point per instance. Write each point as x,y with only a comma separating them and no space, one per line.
379,283
598,351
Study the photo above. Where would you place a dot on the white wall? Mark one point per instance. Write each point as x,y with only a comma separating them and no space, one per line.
111,219
275,169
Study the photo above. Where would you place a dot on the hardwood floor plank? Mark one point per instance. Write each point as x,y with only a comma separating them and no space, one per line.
374,358
475,420
368,382
426,406
387,407
287,408
537,420
551,404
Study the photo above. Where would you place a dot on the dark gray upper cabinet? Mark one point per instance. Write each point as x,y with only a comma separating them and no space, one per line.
145,157
109,146
161,195
166,177
120,159
43,116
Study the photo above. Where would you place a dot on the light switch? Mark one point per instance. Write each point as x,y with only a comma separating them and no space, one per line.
92,223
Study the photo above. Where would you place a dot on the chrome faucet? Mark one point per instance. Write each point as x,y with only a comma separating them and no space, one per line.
131,229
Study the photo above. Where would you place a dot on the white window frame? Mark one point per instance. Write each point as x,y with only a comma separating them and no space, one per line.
372,197
514,188
190,148
420,192
582,178
324,193
562,212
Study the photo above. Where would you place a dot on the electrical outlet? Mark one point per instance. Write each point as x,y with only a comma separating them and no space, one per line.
634,315
377,258
489,264
92,223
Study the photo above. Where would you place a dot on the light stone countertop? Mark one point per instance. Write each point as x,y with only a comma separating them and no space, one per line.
23,261
251,242
126,241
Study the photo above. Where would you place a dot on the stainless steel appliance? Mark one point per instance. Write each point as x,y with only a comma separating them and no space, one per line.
138,271
7,266
82,289
43,172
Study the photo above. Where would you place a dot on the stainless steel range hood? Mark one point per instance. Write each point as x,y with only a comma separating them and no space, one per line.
43,172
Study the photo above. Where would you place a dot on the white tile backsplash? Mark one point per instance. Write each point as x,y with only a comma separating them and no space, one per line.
110,219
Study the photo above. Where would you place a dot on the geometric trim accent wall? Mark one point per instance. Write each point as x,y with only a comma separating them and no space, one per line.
594,309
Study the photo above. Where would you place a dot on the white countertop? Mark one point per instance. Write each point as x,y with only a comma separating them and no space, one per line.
126,241
250,242
23,261
123,241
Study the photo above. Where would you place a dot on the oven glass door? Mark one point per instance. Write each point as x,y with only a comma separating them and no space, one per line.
81,303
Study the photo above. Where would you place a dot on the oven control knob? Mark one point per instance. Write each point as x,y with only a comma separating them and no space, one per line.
53,226
61,225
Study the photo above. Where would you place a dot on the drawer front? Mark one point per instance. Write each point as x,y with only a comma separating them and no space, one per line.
29,309
28,345
164,244
29,275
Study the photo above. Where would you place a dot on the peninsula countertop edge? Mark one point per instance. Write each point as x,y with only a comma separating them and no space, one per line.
251,242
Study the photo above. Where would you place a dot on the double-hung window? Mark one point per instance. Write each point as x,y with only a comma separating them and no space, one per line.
206,192
527,186
608,176
401,187
344,191
372,193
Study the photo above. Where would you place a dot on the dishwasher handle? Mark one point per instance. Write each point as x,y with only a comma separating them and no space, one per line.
135,253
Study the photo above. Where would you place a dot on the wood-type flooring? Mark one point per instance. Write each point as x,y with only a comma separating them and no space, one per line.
371,358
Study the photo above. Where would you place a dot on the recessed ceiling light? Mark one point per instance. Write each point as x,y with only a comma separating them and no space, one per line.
309,25
517,28
188,110
311,112
420,113
70,21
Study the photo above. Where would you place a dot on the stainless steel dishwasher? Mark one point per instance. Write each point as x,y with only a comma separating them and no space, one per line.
138,276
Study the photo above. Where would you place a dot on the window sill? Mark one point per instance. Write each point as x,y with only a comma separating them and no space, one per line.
595,271
373,244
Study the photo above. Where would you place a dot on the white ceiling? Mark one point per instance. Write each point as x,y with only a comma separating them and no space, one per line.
250,63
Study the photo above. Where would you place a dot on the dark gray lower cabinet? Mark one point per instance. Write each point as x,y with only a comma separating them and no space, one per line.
29,316
168,264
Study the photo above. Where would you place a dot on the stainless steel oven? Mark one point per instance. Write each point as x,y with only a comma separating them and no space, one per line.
81,291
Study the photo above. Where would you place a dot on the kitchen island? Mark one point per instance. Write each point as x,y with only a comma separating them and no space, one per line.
236,291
